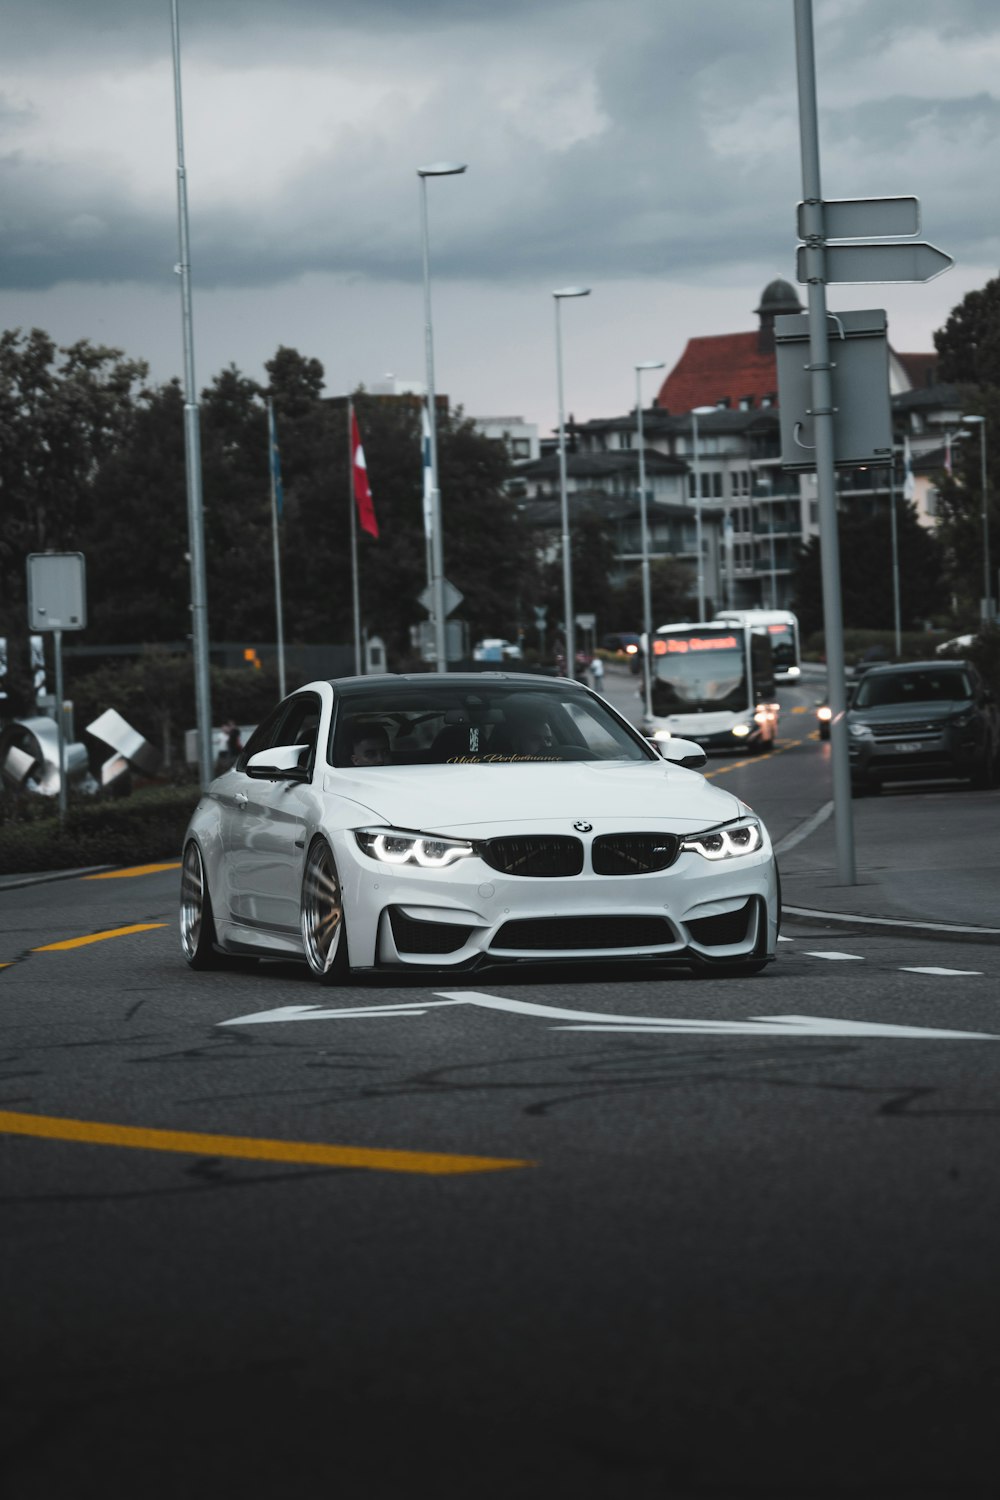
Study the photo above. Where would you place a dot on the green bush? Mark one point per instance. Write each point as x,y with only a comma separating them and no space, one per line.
145,828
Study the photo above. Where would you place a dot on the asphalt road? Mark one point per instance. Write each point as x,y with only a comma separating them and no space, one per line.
594,1233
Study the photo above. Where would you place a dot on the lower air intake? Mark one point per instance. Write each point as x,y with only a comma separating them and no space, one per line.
411,936
720,932
583,934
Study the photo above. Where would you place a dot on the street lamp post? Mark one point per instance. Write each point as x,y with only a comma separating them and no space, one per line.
987,605
647,607
438,169
698,411
569,629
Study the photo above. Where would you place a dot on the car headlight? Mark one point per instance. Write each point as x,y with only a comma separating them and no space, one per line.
396,846
726,843
964,719
860,731
742,730
824,713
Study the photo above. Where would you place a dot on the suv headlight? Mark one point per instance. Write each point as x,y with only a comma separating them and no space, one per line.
398,846
964,719
734,839
860,731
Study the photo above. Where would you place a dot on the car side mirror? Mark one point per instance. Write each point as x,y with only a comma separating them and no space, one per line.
280,763
681,753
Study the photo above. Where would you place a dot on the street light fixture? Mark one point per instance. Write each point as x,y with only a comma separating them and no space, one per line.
436,580
647,607
569,628
987,604
699,411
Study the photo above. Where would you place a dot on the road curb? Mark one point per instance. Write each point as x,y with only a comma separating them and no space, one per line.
913,927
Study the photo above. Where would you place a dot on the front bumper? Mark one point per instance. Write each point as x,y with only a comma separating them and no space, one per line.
947,752
468,914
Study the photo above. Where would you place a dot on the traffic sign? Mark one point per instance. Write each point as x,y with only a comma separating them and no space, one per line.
865,218
452,597
851,264
541,614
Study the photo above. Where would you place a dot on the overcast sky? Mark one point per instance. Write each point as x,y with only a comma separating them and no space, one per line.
645,148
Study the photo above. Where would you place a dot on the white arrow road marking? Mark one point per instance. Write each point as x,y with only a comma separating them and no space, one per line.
317,1013
976,972
842,957
756,1026
586,1020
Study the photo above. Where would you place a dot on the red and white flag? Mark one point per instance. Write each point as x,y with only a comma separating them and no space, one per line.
362,492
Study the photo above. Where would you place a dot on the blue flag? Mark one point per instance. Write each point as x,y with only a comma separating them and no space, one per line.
272,435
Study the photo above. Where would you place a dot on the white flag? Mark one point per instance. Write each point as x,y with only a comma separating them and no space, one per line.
909,483
428,472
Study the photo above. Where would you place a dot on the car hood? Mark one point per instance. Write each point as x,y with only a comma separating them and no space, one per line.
933,711
438,798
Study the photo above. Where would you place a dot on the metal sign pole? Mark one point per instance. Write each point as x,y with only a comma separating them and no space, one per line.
60,724
822,413
192,449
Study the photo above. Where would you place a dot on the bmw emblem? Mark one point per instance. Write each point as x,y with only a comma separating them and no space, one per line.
582,826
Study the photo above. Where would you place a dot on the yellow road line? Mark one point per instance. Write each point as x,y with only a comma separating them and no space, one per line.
97,937
192,1143
135,870
755,760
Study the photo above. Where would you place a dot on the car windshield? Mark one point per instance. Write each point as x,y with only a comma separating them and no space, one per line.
924,685
454,723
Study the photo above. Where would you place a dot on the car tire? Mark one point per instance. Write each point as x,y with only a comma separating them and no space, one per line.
197,924
324,934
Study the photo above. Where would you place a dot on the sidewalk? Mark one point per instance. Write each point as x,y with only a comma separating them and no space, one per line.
929,857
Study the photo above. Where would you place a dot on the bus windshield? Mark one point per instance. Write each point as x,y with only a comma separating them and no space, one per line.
783,646
700,671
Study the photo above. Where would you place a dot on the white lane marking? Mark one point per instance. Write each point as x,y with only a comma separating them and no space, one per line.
786,940
854,917
841,957
804,829
584,1020
906,969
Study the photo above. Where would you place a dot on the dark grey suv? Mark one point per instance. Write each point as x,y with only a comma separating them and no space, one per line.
923,719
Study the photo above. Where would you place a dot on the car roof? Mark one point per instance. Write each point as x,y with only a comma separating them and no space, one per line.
888,669
347,685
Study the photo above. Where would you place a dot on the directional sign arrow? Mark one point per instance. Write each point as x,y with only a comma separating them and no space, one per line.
916,261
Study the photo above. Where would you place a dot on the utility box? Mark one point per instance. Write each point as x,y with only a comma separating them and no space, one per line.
859,377
57,591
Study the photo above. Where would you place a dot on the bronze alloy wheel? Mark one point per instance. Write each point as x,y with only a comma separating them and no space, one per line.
196,922
323,936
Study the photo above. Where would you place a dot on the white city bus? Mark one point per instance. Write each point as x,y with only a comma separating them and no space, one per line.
714,683
782,627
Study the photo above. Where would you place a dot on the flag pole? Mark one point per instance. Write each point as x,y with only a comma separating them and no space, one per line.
272,442
352,502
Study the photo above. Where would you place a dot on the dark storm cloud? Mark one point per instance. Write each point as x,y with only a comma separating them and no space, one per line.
691,165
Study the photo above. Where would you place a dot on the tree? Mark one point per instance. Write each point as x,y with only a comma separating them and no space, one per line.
62,411
866,573
969,343
672,590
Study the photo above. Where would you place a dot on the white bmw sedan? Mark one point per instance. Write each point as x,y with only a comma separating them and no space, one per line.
448,821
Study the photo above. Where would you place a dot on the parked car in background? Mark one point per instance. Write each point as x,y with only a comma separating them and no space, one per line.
495,649
626,645
922,720
955,646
